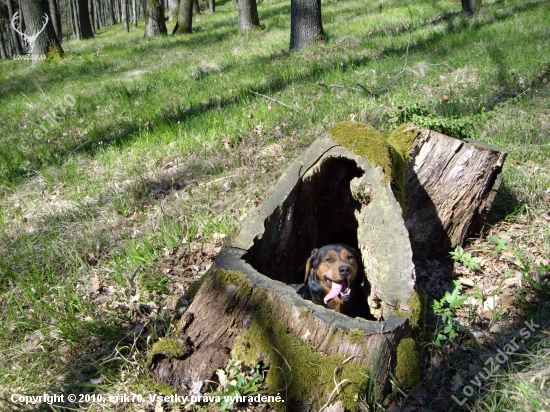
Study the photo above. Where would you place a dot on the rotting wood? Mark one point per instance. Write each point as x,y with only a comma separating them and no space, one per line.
245,307
451,185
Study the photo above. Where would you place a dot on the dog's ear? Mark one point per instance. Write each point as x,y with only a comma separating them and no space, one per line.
311,263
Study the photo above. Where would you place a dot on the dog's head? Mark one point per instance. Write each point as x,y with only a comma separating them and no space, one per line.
330,274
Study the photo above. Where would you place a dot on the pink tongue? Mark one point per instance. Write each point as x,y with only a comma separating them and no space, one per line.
336,288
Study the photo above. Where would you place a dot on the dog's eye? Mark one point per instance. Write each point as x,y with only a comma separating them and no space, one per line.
330,260
350,257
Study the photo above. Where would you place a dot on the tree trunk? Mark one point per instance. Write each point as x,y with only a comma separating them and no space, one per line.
111,9
154,24
248,15
351,186
306,24
450,187
86,30
15,37
55,17
468,7
185,17
135,12
196,7
46,43
91,15
212,6
173,11
247,307
74,18
2,45
124,7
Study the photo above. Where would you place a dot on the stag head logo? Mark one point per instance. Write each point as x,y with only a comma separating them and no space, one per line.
30,40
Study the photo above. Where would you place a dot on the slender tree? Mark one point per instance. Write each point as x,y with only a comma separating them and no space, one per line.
86,30
56,18
196,7
2,45
185,17
154,20
45,43
91,14
306,24
124,7
469,7
212,6
248,15
14,36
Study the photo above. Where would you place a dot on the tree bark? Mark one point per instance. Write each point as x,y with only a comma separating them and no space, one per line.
196,7
173,11
155,25
306,24
185,17
85,26
91,15
56,19
450,187
344,189
14,35
248,15
212,6
468,7
124,7
111,9
2,45
46,44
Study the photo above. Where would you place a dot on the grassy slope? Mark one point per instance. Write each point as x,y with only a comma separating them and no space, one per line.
166,143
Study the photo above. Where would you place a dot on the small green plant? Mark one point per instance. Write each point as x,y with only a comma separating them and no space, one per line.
235,383
465,258
445,308
500,244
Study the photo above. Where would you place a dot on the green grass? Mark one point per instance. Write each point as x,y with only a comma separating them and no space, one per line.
166,144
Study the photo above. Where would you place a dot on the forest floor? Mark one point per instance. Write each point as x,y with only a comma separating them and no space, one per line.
125,166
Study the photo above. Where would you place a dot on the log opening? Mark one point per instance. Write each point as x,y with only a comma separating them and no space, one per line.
320,210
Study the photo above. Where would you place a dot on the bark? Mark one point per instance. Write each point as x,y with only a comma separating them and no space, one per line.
56,19
343,189
185,17
196,7
111,10
248,15
135,12
2,45
46,43
246,303
450,187
86,30
173,11
468,7
212,6
91,14
155,25
124,7
306,24
15,37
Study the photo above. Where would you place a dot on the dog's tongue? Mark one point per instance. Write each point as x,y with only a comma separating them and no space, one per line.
336,288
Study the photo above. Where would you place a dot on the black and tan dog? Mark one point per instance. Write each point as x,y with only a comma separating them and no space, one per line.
331,277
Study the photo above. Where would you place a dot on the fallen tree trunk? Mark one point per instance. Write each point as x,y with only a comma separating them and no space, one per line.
351,186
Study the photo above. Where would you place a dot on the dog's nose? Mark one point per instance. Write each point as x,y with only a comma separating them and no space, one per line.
344,270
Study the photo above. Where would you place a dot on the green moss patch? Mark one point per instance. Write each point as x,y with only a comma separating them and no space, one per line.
407,369
169,348
418,307
389,152
297,371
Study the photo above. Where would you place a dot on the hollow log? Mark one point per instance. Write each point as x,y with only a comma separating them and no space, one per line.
351,186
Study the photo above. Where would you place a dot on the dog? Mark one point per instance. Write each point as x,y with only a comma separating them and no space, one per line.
331,277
